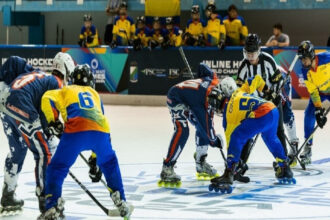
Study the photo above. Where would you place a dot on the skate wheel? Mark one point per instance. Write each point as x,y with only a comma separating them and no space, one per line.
294,181
216,189
211,187
223,191
178,185
229,190
161,183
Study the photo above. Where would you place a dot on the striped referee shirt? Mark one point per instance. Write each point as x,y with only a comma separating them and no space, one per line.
266,67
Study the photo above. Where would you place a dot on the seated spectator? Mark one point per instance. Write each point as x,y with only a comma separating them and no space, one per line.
279,39
215,30
157,34
124,28
236,30
172,35
112,10
194,34
142,34
88,35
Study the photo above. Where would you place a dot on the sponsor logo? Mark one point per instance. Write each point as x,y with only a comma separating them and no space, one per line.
224,67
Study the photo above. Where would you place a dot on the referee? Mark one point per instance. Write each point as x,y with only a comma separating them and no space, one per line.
260,63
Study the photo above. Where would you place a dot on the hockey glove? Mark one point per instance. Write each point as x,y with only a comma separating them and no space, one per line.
320,117
94,171
219,143
55,128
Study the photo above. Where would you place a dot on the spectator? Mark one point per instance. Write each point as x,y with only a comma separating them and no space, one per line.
88,35
124,28
215,30
142,34
279,39
172,35
112,10
236,29
157,34
194,34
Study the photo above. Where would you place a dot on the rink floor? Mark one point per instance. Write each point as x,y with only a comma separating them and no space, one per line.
141,135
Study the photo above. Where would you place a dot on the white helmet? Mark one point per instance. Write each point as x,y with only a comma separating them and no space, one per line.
64,64
228,86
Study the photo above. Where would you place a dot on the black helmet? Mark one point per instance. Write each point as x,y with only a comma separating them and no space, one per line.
211,8
140,19
195,9
252,43
123,5
169,20
87,17
306,49
83,76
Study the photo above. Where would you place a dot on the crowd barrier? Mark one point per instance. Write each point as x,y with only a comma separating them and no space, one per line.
151,72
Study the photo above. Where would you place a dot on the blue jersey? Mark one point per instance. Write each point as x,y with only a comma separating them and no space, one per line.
193,92
13,67
26,92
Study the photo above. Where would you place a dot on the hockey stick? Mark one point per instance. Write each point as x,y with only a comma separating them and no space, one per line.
184,58
311,135
295,156
86,161
108,212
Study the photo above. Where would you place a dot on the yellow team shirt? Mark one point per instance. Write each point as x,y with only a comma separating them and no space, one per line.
317,80
123,30
196,28
214,31
80,106
92,32
243,105
236,30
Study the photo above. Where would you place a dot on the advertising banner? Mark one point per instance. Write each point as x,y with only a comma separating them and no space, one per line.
107,65
38,57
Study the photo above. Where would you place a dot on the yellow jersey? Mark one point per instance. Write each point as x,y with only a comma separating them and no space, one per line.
236,31
214,31
243,105
80,106
317,80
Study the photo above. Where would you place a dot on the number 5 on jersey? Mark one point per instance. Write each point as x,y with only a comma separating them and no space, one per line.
85,100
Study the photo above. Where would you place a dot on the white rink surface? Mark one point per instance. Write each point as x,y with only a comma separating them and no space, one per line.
141,135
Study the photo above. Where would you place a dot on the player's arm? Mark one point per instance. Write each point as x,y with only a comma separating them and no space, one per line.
49,105
313,91
286,43
50,108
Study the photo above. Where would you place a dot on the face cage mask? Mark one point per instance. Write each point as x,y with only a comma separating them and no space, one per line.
251,56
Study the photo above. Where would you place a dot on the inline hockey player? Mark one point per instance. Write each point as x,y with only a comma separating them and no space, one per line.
89,36
85,128
156,34
316,71
246,115
256,62
24,127
142,34
188,101
215,30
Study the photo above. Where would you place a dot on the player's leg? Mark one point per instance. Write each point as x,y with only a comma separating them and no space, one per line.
108,163
181,132
66,154
246,130
309,123
13,165
205,171
290,125
282,171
